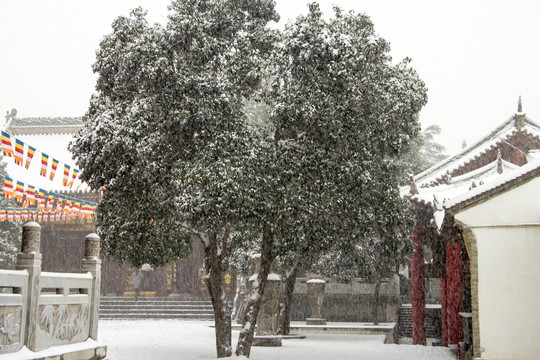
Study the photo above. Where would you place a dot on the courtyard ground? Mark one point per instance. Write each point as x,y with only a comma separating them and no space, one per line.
180,339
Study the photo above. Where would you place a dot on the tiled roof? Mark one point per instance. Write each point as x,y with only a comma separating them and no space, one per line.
57,125
518,176
518,122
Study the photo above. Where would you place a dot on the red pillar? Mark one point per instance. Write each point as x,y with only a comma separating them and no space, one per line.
444,316
418,296
454,292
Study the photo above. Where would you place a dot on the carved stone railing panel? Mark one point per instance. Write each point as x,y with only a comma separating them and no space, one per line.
64,309
62,324
14,289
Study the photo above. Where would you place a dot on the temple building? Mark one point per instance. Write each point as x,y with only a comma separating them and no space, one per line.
477,215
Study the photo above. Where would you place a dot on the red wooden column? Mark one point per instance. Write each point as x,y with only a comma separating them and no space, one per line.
418,295
454,292
444,316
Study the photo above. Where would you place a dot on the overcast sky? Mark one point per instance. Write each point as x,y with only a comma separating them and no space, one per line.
476,57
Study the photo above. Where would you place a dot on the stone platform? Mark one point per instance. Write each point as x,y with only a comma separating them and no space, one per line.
389,330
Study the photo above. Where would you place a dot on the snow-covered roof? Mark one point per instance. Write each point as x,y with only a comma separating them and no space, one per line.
496,184
44,125
516,123
438,197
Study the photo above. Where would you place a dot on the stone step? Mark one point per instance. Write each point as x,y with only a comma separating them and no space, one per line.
153,306
432,321
178,307
155,316
155,303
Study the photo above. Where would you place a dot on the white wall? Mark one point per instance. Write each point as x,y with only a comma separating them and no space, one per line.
507,231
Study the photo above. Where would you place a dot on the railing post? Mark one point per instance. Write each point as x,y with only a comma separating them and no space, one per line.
29,259
92,263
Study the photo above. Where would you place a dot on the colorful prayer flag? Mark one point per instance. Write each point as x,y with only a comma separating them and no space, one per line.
3,215
10,215
30,195
19,191
68,205
66,175
29,155
8,187
53,168
19,152
73,177
6,144
76,209
59,205
41,199
44,164
50,202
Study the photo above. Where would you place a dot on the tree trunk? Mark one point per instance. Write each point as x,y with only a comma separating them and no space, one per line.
376,302
214,283
284,327
245,339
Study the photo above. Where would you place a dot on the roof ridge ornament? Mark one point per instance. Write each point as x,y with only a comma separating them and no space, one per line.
500,168
520,116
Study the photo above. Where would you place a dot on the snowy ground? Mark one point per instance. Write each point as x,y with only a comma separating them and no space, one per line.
178,339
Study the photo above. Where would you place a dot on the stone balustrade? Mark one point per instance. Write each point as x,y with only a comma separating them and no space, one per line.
40,310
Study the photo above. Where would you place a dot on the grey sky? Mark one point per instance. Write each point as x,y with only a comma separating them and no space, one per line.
476,57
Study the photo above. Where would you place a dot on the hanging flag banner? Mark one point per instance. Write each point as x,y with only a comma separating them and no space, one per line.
59,203
76,208
13,147
3,216
53,168
19,191
67,206
73,177
29,155
30,195
41,200
19,152
44,164
10,215
8,187
66,175
50,202
7,149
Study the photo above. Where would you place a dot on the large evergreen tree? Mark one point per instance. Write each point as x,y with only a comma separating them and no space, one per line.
166,136
343,114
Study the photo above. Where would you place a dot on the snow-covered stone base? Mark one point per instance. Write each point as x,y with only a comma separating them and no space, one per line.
88,350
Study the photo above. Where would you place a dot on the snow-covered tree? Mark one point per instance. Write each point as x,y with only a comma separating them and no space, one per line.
423,152
10,232
166,135
343,113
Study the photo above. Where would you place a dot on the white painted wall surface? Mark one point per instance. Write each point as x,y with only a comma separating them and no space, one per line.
507,231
